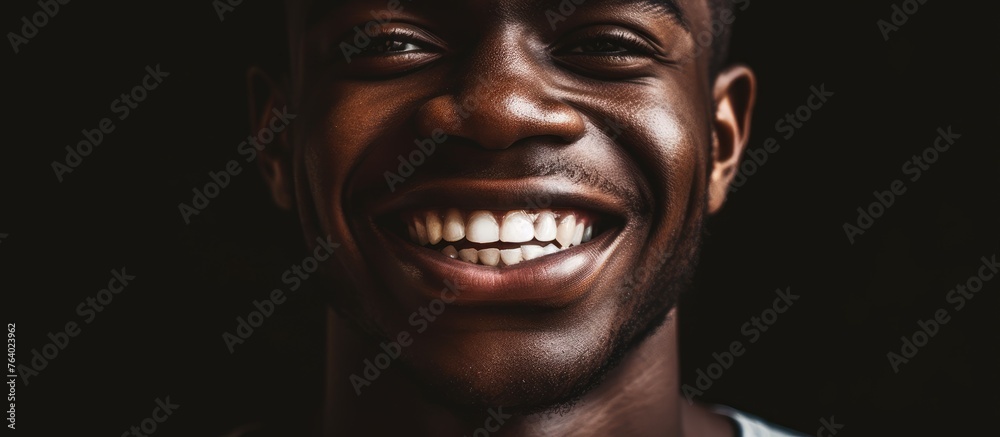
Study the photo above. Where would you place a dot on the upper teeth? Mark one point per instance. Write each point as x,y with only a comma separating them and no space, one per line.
566,229
454,226
517,228
482,228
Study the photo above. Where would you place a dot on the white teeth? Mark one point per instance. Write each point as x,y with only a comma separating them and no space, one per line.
531,251
433,228
556,230
517,228
511,256
493,256
421,231
454,226
545,226
482,228
489,257
565,230
469,255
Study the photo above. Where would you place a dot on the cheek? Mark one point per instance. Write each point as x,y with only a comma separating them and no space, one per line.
661,128
670,147
344,124
349,133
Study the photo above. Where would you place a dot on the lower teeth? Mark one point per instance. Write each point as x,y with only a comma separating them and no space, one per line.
500,257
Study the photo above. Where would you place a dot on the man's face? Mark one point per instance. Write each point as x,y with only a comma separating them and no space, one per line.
518,185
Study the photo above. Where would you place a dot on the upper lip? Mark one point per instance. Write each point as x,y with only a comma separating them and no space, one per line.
500,194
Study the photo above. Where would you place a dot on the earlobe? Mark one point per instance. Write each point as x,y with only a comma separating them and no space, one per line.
271,139
734,93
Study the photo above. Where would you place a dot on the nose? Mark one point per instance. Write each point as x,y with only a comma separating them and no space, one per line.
501,98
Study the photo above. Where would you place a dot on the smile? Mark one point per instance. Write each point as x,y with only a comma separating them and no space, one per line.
499,238
480,234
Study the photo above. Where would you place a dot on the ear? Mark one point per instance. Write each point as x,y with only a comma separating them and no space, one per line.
267,104
734,93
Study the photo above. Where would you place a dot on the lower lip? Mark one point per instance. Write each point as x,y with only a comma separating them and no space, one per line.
553,280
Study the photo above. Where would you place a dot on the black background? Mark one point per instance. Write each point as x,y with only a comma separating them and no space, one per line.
825,357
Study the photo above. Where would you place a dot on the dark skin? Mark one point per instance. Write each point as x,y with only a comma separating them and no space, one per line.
612,114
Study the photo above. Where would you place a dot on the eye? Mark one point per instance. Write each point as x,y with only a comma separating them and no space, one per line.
393,51
608,53
390,45
600,47
607,41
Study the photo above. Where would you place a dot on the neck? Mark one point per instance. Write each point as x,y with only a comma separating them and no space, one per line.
637,398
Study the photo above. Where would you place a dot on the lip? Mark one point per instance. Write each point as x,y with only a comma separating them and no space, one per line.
553,280
499,194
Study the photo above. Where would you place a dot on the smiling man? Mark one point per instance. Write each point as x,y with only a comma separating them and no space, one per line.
518,188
